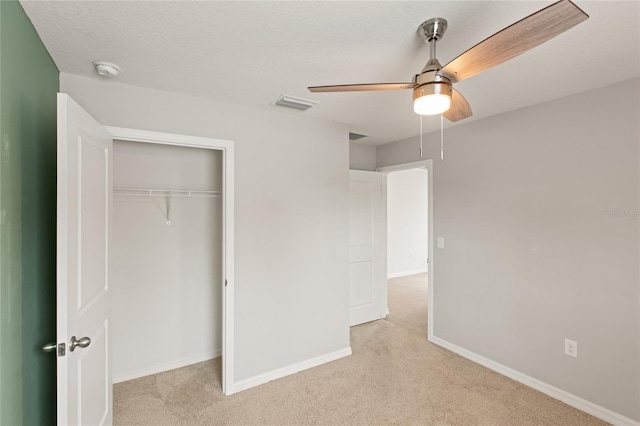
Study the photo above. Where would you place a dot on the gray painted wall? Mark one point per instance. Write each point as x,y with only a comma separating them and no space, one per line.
291,215
362,157
538,208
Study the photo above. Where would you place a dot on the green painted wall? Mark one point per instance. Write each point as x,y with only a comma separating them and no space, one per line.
28,86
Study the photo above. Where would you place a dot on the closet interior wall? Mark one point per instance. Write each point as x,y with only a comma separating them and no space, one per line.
166,278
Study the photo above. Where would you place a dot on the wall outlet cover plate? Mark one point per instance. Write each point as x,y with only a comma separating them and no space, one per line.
571,348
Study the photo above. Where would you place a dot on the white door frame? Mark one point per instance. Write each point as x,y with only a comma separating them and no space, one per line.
423,164
226,146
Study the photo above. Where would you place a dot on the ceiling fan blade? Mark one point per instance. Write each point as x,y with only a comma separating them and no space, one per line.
361,87
459,108
514,40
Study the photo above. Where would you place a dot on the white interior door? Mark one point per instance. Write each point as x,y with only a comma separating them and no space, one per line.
83,299
367,246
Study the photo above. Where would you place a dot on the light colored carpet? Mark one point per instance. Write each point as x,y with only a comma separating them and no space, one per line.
393,377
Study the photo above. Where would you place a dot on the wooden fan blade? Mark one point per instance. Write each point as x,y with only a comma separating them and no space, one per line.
459,108
514,40
361,87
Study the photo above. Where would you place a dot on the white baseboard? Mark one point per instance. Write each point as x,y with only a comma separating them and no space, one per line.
554,392
159,368
291,369
407,273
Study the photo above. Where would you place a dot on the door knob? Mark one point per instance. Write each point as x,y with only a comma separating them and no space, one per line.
50,347
83,343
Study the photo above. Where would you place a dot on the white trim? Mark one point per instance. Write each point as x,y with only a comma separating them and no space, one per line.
431,283
554,392
422,164
160,368
291,369
149,136
228,265
227,148
62,246
407,273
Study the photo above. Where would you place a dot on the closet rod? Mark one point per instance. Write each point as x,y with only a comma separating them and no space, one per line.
166,192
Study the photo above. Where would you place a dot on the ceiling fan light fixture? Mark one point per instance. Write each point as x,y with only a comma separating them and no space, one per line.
431,99
431,104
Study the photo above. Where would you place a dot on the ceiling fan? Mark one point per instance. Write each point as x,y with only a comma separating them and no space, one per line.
433,91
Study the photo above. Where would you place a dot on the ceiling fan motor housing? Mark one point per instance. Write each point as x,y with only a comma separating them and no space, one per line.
441,88
430,83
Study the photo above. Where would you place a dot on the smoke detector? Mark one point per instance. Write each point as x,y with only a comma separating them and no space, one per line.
106,69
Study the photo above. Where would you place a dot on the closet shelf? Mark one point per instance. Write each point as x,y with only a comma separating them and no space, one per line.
165,192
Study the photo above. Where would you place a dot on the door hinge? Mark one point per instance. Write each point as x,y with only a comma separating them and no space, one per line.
62,351
225,282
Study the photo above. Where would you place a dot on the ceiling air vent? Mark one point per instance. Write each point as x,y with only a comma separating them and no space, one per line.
294,103
356,136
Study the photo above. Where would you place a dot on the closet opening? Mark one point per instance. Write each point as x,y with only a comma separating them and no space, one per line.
171,259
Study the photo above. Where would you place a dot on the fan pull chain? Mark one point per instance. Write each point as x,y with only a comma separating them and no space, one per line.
420,136
441,137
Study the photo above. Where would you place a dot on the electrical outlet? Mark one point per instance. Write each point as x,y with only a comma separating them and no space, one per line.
571,348
441,242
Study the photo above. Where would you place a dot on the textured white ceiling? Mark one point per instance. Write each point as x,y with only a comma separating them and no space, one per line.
251,52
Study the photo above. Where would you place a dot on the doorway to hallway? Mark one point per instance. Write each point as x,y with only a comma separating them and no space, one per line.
409,244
